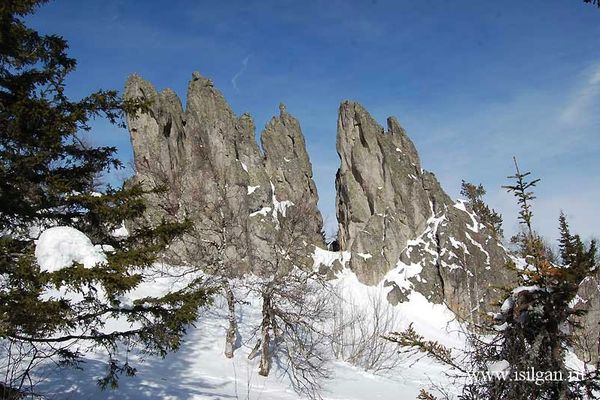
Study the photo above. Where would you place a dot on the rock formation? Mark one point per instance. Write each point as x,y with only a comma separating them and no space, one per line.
215,172
395,217
588,299
392,214
396,223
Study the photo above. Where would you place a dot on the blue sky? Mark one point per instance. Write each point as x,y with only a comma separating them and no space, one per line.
473,82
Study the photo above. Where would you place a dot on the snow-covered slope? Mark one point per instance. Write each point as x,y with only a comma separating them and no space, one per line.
199,370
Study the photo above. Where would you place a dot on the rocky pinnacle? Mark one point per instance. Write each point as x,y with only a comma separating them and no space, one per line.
393,216
399,226
216,174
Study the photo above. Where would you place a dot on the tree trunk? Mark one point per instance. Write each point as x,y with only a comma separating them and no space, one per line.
265,356
232,331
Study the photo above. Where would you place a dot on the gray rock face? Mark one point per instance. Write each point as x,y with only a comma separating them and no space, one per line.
588,299
394,218
215,172
380,201
288,165
156,136
402,227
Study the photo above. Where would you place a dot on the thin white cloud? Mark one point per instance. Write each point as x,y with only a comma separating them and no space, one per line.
476,142
596,77
240,72
582,102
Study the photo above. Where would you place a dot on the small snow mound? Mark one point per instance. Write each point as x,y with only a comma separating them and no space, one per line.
402,273
502,327
59,247
263,211
327,258
121,231
507,305
533,288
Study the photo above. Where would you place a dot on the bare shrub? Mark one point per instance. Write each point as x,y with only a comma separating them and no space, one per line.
358,329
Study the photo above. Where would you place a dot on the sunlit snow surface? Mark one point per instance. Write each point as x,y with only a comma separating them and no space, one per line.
199,369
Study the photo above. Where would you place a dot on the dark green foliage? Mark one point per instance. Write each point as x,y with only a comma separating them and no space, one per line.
573,252
111,380
595,2
48,177
489,217
9,393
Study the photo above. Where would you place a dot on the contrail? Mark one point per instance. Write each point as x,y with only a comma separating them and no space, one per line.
239,73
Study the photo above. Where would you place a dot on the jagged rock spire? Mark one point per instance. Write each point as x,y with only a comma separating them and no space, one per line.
394,216
209,159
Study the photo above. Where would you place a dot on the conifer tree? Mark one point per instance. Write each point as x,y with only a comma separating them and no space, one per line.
489,217
48,177
527,340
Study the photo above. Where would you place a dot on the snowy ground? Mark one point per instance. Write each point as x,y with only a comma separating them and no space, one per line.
199,369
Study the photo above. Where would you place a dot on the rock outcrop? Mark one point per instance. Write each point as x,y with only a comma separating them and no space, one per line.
396,223
402,227
287,164
216,174
587,343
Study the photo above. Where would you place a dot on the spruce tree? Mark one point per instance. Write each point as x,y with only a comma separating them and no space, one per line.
48,177
489,217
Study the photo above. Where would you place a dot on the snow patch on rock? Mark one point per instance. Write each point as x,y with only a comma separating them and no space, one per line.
327,258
